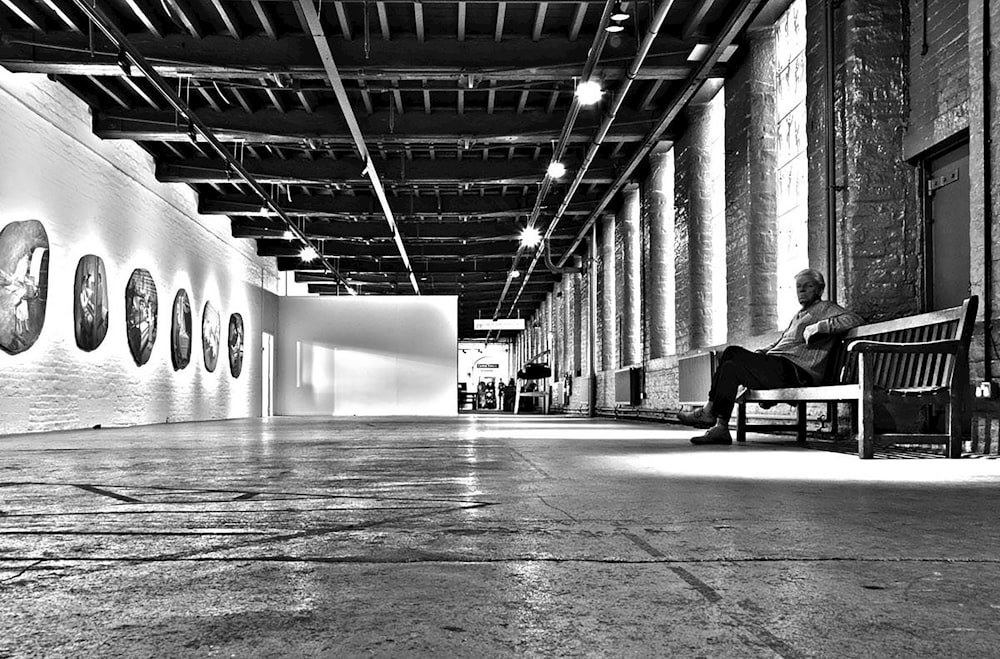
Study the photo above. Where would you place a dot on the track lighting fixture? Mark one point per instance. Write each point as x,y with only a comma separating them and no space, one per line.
618,14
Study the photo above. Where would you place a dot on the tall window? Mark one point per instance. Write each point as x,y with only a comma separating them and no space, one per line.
716,118
790,104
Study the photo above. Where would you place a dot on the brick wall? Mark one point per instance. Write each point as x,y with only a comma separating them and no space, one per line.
101,198
880,242
939,72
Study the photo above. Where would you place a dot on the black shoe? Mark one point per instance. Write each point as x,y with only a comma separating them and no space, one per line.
696,419
715,435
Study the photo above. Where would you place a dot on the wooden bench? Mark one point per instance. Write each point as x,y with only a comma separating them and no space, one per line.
922,358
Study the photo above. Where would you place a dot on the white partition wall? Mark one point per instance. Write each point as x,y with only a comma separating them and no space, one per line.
367,356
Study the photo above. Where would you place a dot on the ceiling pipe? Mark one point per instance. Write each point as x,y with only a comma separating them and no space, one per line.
593,57
741,15
198,127
336,82
602,132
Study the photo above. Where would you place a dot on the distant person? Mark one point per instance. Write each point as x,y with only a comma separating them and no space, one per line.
797,358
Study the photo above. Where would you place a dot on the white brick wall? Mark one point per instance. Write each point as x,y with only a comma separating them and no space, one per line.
96,197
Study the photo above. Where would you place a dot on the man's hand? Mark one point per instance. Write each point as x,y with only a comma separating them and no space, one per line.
810,331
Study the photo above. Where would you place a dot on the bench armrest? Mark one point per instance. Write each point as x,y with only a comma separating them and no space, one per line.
942,346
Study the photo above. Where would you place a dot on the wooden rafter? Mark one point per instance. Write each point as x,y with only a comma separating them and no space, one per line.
501,16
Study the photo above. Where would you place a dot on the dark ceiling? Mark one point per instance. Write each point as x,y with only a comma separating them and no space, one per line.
290,116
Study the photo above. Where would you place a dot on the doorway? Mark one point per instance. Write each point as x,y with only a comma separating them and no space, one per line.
267,375
947,215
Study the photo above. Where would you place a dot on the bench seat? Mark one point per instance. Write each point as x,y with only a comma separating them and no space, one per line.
922,358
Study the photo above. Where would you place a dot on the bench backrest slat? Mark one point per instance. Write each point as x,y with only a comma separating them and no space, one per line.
910,370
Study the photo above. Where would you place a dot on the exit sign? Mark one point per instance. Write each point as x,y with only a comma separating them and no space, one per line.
499,324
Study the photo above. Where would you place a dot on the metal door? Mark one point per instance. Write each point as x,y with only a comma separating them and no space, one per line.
948,228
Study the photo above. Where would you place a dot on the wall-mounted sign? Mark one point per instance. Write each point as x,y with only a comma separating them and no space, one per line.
487,365
499,324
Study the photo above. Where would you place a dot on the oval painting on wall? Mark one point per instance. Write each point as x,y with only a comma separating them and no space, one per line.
90,303
236,344
24,284
180,331
210,336
140,315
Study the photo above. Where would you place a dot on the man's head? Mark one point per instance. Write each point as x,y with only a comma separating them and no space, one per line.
809,286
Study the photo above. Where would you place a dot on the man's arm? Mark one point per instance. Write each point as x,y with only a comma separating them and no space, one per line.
838,321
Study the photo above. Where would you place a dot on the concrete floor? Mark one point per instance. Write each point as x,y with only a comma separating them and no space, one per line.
485,536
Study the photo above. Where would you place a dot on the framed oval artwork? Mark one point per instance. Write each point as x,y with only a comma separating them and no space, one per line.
210,336
24,284
236,344
90,302
140,315
180,331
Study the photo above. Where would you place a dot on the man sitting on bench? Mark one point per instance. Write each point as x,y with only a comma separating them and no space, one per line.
798,358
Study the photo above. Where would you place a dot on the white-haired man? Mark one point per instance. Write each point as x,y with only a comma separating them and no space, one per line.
797,358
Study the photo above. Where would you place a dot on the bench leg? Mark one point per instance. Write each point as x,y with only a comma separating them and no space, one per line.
832,413
955,428
866,412
741,422
800,424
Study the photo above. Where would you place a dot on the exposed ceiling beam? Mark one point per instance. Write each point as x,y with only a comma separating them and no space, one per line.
577,23
693,23
152,24
501,16
264,16
383,21
418,20
328,128
386,249
393,266
182,14
227,19
342,20
27,13
364,205
536,31
417,231
421,172
515,58
469,278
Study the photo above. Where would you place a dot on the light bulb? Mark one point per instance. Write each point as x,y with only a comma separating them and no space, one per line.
530,237
556,169
588,92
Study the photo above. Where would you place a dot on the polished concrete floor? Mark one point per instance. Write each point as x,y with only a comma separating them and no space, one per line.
488,536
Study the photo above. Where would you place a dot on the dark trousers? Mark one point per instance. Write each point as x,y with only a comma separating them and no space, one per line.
754,370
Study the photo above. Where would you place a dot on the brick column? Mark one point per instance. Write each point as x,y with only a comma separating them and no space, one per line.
762,238
660,297
609,343
699,227
631,271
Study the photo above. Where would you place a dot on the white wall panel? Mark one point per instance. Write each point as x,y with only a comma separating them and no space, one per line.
367,356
